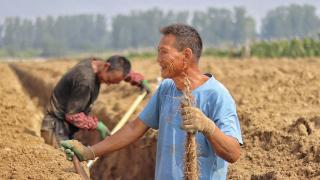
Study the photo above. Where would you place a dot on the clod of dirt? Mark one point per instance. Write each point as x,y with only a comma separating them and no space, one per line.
267,176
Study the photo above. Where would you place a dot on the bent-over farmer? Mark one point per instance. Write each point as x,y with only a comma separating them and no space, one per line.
73,96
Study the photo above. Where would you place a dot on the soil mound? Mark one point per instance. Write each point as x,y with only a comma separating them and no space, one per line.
23,154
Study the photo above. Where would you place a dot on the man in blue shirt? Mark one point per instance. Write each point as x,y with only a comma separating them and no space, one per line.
213,116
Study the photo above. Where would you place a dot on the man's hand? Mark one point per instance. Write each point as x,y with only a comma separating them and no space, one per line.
194,120
134,78
74,147
103,130
137,79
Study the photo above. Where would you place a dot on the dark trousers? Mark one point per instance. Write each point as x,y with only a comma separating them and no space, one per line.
54,130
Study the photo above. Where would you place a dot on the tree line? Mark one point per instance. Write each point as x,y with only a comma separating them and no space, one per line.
219,28
294,48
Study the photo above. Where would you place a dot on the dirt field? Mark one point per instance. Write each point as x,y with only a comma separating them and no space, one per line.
23,153
278,104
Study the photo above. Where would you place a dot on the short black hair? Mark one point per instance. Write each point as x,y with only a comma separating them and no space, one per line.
186,37
119,63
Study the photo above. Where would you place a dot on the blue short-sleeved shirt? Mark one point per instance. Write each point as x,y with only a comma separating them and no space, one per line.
163,113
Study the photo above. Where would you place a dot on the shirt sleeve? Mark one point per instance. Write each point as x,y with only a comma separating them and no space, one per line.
225,115
82,120
150,114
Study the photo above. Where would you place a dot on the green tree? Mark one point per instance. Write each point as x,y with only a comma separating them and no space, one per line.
244,26
290,22
140,29
222,26
214,25
10,39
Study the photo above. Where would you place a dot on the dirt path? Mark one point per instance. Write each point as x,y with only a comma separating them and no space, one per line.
23,153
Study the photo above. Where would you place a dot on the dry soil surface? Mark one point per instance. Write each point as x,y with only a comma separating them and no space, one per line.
23,154
278,105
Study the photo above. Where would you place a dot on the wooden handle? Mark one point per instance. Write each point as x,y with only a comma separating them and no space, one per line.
130,111
124,119
79,168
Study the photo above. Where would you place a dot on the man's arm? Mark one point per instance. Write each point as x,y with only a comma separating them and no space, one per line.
77,103
77,106
125,136
225,146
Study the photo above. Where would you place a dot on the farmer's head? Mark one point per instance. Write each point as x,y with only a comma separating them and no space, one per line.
114,70
179,48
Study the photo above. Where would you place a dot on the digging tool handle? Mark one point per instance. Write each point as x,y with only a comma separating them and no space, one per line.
127,115
124,119
79,168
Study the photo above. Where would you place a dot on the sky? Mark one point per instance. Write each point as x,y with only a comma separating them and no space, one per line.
36,8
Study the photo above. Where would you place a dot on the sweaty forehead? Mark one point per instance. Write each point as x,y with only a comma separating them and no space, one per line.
167,41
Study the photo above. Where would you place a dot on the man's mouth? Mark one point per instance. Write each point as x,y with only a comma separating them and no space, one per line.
162,68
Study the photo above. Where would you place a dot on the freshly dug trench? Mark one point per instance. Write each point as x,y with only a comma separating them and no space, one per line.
35,87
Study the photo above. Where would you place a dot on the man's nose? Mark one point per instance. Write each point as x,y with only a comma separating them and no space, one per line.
159,59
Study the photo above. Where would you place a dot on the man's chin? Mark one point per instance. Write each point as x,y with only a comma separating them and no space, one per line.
106,82
164,75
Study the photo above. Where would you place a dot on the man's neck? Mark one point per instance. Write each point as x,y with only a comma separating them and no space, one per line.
195,77
96,66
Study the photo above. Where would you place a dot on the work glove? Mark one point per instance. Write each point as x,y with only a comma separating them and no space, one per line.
145,86
74,147
194,120
103,130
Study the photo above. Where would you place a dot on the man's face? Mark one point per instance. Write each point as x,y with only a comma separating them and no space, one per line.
111,77
169,58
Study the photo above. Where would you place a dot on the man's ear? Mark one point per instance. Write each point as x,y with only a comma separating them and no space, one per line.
106,66
188,55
